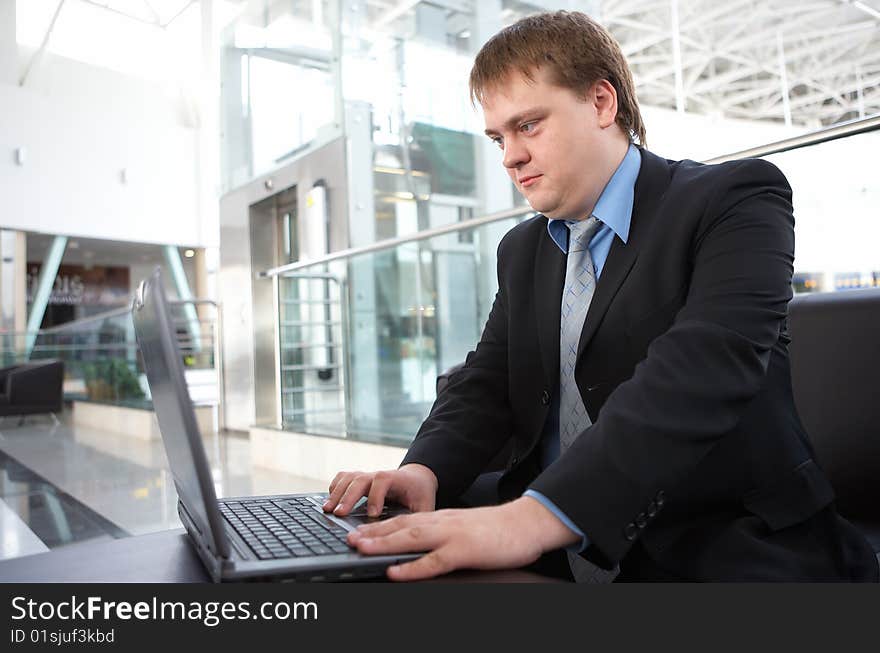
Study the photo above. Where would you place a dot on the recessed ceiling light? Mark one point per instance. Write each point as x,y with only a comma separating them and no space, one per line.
189,253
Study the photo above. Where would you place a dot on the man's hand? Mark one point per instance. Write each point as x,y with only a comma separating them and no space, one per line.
498,537
413,486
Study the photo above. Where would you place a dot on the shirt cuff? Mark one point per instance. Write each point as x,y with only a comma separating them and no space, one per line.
577,547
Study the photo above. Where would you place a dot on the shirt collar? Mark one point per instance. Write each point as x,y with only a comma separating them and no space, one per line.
615,204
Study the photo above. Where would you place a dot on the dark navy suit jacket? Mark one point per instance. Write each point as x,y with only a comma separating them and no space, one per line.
697,463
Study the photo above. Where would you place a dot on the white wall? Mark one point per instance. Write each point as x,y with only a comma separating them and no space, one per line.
699,137
80,127
836,197
836,193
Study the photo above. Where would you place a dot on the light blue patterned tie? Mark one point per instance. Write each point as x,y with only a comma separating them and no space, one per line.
580,283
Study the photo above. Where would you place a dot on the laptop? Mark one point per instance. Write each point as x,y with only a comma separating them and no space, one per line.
280,537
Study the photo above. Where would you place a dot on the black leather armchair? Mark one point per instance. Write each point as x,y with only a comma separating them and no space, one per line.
32,388
835,365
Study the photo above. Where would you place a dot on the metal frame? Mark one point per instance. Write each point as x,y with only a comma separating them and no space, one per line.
343,360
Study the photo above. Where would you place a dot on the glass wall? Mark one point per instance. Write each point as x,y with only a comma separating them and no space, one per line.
836,196
363,339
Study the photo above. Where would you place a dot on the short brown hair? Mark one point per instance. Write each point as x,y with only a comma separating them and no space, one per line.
577,51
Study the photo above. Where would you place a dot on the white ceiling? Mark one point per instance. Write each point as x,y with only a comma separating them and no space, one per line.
813,62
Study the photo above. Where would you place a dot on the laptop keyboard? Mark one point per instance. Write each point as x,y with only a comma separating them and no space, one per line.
284,528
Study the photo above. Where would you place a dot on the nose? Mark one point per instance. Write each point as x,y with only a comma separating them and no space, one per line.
515,154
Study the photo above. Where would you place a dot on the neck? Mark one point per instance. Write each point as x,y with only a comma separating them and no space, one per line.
617,150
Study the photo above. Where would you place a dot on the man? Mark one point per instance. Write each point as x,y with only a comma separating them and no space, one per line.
635,354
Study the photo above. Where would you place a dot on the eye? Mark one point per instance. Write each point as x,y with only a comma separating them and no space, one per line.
498,141
528,127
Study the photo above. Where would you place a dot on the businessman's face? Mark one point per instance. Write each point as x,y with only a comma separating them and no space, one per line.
559,149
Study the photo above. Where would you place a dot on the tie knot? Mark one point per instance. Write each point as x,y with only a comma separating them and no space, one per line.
581,233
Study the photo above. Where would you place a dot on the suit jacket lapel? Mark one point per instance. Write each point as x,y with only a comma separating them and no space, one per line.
547,294
650,186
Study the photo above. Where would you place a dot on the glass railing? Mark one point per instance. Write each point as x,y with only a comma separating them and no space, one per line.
102,360
363,334
362,337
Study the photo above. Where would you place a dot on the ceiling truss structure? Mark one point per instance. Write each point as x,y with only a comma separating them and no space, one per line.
808,64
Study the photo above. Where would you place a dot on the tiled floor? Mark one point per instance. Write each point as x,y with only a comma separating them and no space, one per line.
61,484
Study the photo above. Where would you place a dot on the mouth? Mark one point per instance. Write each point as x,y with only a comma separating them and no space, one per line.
525,182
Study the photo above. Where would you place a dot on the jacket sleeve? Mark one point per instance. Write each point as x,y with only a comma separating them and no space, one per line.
698,377
471,420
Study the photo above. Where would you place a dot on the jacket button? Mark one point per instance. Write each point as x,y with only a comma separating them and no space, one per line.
660,499
652,509
641,520
545,397
630,532
514,460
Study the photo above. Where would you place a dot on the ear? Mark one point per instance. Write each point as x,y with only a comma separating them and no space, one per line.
604,98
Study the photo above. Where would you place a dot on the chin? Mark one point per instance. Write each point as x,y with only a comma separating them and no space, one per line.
544,208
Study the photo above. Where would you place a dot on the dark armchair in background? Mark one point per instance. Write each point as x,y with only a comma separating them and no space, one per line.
32,388
835,368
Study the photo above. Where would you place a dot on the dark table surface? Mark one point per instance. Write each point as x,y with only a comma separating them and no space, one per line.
163,557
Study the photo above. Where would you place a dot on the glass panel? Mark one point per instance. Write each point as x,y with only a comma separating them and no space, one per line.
837,219
102,361
363,339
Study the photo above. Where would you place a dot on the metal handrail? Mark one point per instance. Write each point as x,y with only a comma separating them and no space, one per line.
106,315
843,130
284,270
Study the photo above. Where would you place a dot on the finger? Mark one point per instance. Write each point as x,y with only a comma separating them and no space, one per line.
378,491
386,527
355,490
406,540
335,481
340,484
432,564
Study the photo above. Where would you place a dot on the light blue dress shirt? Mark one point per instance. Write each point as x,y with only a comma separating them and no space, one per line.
614,210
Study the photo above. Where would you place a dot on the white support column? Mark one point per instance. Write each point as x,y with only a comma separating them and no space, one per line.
494,187
8,44
208,152
860,91
13,290
364,401
48,272
676,58
181,284
783,79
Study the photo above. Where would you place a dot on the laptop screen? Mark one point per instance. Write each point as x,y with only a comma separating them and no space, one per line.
177,422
